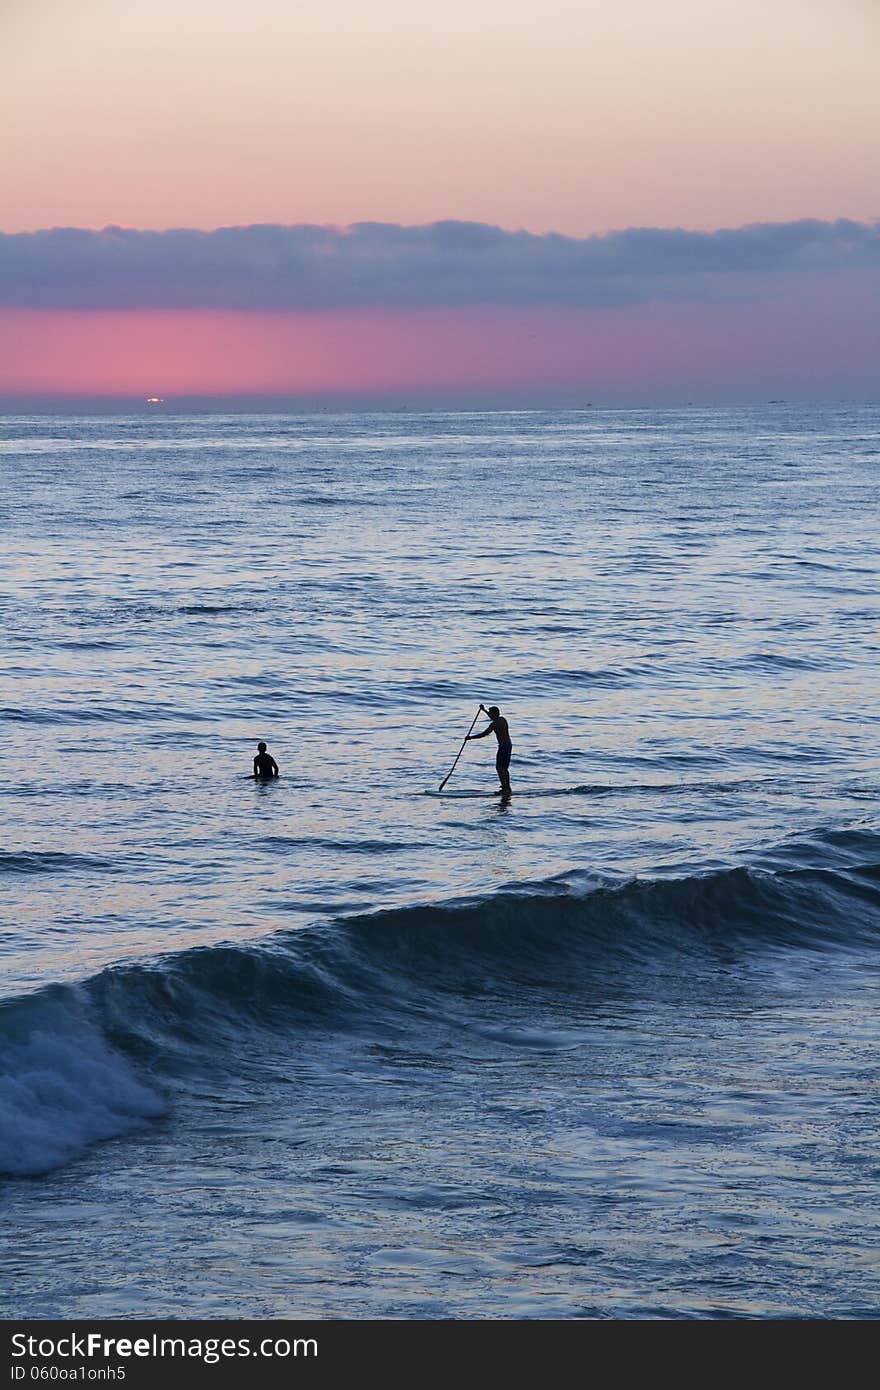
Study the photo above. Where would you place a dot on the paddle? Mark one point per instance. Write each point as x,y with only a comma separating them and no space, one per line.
461,749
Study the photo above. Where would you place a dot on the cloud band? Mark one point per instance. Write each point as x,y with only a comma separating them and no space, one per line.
387,266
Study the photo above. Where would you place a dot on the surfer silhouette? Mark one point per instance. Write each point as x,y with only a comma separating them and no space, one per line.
265,765
498,726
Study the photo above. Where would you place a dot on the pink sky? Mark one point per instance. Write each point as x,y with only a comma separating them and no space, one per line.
575,116
812,346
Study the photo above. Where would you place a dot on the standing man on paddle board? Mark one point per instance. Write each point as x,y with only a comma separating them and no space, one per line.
498,726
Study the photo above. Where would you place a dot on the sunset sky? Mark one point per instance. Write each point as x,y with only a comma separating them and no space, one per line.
740,120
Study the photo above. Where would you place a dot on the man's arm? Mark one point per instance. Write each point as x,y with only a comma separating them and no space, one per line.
274,768
483,732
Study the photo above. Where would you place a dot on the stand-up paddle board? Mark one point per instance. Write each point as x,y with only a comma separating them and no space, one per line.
460,796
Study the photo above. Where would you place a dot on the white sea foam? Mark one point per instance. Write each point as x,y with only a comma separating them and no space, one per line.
62,1086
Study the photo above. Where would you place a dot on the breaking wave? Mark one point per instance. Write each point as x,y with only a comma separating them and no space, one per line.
94,1061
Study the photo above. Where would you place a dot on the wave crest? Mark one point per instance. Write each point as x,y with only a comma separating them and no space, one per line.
62,1085
81,1064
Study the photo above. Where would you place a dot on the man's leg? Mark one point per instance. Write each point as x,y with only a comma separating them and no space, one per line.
502,766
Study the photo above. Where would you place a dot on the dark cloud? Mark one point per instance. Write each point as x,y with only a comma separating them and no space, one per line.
383,265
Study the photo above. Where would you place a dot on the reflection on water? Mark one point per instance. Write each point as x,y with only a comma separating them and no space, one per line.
609,1048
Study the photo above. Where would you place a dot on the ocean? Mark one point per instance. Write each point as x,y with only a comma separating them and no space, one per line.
339,1046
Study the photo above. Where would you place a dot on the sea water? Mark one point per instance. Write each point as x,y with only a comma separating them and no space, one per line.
333,1047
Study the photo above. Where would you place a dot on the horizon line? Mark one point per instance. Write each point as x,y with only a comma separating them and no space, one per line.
271,403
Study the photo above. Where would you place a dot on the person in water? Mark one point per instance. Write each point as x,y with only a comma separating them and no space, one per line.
264,764
498,726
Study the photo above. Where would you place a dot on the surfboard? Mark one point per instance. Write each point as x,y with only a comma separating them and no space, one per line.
517,792
460,796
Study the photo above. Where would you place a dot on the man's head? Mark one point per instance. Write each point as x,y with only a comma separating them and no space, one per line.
261,747
493,711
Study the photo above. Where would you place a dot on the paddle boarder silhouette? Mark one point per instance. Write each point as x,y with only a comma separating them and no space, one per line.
499,727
